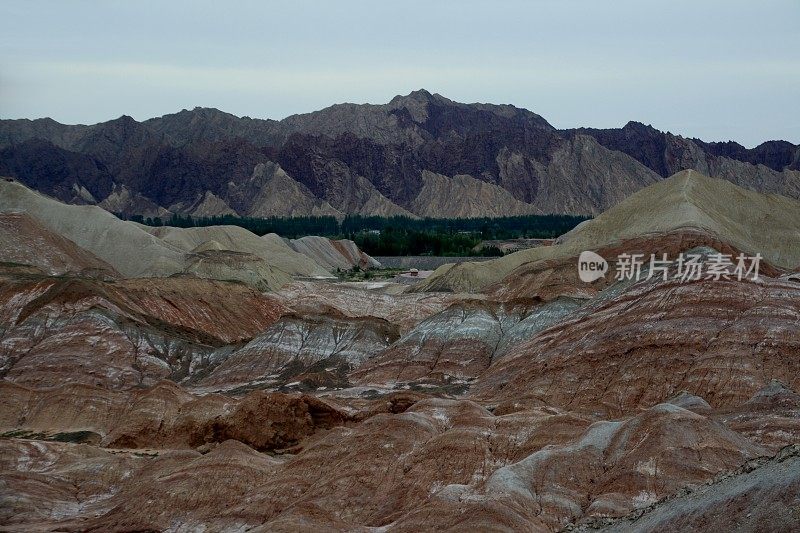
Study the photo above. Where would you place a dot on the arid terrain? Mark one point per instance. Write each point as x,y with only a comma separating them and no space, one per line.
208,379
419,155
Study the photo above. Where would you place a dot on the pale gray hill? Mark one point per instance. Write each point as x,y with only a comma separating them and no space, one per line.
333,254
125,246
752,222
271,248
68,232
25,241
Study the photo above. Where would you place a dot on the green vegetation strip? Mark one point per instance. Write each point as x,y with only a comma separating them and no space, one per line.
396,235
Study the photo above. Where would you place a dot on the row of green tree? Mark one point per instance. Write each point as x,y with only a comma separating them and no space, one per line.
394,235
403,241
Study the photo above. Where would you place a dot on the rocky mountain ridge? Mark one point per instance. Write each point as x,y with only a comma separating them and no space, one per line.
418,155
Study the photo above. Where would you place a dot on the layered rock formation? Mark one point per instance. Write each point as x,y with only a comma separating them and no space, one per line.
312,352
121,334
535,402
419,155
443,463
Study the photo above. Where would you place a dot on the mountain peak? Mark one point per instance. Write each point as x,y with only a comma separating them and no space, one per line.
418,97
420,94
639,126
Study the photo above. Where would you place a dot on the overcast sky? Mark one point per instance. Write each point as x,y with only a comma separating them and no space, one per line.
717,70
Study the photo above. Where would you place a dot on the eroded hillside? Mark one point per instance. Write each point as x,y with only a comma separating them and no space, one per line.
504,395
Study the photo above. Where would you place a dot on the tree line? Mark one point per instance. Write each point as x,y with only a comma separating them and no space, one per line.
396,235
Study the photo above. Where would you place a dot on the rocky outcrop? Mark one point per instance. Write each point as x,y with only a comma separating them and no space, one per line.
465,197
444,463
271,192
69,176
310,352
457,345
373,300
165,416
122,201
757,495
589,359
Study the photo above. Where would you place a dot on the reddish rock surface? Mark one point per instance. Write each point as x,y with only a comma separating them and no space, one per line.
121,334
310,351
437,464
540,404
20,234
720,340
165,416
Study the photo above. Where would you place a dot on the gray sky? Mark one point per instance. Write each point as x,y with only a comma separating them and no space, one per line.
717,70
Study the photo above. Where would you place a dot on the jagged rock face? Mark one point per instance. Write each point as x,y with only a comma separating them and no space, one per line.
663,152
371,160
465,197
773,165
270,191
777,155
123,202
68,176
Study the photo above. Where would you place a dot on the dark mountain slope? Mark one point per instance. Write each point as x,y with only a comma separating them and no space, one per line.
662,151
408,156
68,176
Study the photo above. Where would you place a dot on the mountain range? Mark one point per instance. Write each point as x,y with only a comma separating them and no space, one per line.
418,155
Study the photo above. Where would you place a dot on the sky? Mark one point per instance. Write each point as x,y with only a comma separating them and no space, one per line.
717,70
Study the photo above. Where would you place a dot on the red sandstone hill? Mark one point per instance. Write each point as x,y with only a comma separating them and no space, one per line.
535,402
